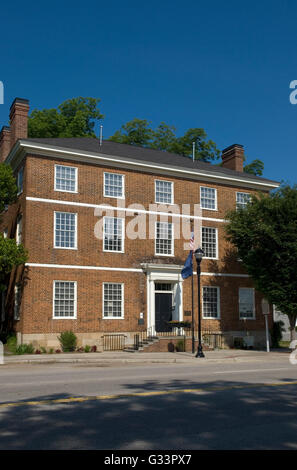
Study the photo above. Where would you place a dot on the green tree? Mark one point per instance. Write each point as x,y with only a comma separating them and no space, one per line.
11,254
73,118
137,132
264,234
256,167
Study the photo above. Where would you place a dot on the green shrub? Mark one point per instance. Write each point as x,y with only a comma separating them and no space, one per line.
87,348
25,349
43,350
51,351
180,346
11,344
68,341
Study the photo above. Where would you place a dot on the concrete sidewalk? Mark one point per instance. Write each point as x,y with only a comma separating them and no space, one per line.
119,357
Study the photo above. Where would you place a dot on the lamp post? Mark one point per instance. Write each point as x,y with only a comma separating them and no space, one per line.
198,256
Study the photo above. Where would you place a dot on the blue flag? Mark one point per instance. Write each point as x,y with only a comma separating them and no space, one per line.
187,270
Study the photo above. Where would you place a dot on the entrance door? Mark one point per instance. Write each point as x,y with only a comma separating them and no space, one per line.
163,311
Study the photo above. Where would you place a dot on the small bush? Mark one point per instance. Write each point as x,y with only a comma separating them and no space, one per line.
12,344
94,349
25,349
43,350
58,351
68,341
87,348
51,350
37,351
180,346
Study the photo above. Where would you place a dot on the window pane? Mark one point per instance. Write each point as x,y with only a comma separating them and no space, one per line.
164,239
210,302
65,230
113,185
207,198
64,299
209,242
246,303
164,192
242,199
65,178
112,300
113,234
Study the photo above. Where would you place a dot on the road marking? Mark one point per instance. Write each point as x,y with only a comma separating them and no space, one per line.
251,370
142,394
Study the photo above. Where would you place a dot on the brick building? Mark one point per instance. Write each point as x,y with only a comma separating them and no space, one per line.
105,257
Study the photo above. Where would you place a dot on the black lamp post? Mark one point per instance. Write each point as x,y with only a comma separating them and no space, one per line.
199,255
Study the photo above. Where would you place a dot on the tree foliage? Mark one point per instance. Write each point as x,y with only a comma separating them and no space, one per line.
75,117
138,132
11,254
256,167
265,235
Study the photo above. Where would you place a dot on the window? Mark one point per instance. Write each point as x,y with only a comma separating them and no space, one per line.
65,178
19,229
64,299
242,199
113,297
164,192
208,198
246,303
113,185
209,242
65,230
17,301
211,302
5,233
113,239
20,180
164,238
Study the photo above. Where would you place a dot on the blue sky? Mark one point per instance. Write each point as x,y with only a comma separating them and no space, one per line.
223,66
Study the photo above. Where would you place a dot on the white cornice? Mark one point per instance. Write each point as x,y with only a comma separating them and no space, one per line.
124,162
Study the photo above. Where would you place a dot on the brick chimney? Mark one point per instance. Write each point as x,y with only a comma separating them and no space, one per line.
5,138
19,120
233,157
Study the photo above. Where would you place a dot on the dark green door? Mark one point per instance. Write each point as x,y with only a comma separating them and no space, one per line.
163,311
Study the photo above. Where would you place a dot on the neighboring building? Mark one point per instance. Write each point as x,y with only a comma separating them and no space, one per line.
119,285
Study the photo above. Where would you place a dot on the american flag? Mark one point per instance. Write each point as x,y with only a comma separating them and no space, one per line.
192,242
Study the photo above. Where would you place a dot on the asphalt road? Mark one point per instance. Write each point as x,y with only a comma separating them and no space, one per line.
173,406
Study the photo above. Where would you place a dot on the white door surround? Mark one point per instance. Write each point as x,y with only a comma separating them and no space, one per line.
170,273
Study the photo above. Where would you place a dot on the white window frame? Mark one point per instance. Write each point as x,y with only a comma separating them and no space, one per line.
218,303
122,301
17,302
75,238
217,243
74,317
20,188
123,185
172,239
241,205
254,304
76,180
123,235
216,199
172,192
19,229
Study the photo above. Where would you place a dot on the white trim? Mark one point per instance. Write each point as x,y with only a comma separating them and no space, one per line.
102,206
75,239
133,270
218,317
87,156
122,302
172,192
76,179
75,301
123,185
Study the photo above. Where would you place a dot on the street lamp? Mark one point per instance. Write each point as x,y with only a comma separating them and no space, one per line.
199,255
